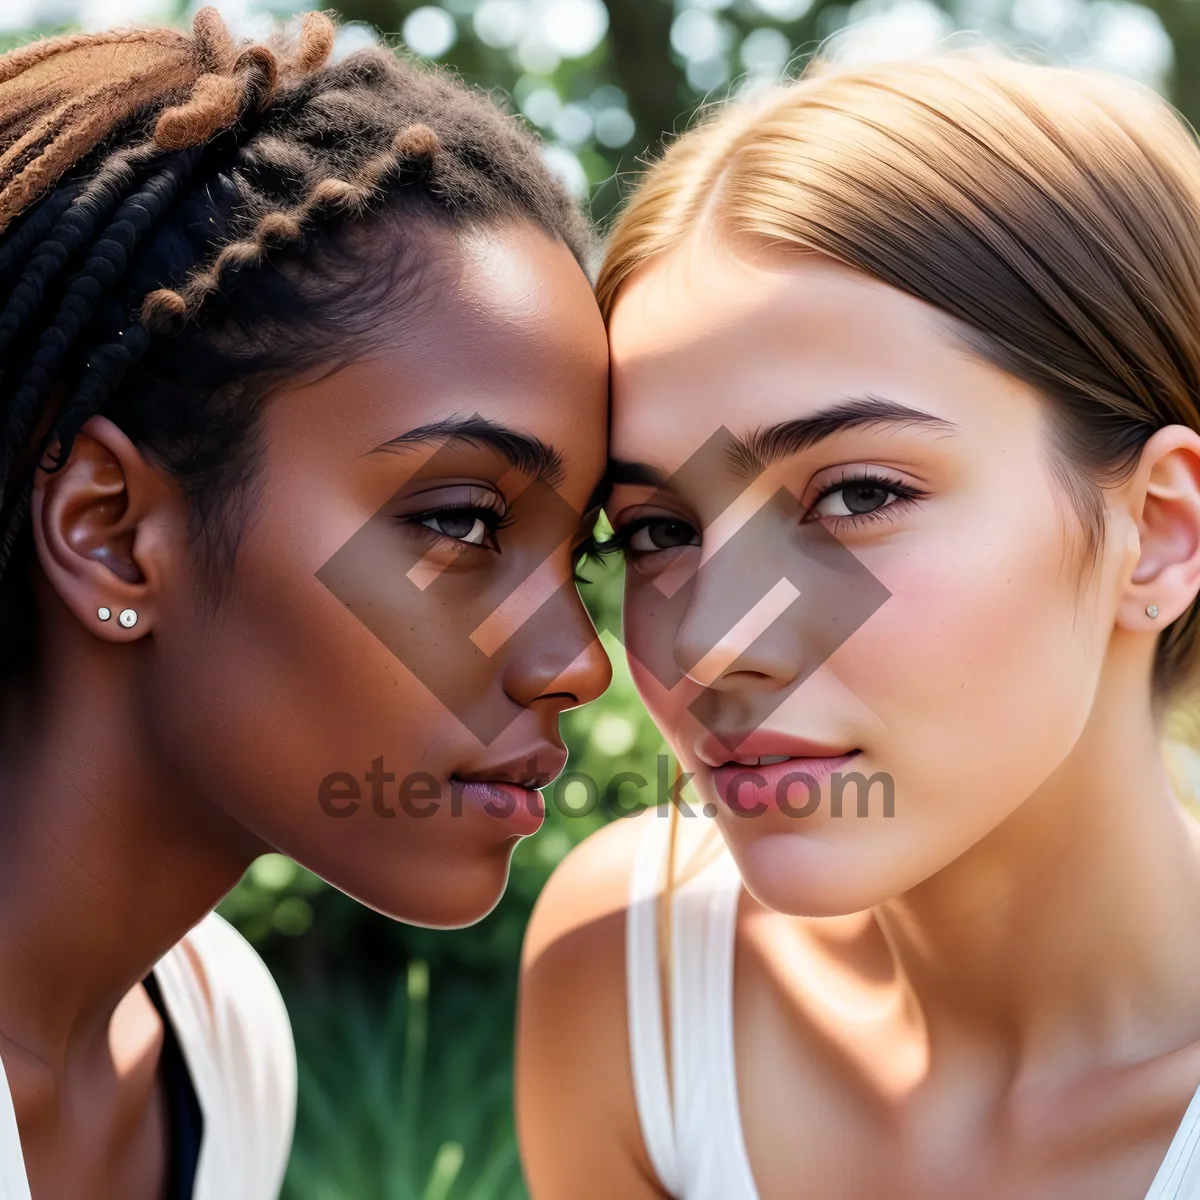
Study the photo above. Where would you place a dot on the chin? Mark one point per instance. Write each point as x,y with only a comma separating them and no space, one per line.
451,896
800,876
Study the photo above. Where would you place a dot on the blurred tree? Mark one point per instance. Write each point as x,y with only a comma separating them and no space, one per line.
659,62
606,104
1181,22
605,80
639,41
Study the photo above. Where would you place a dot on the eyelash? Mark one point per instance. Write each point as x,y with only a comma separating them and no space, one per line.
904,493
493,520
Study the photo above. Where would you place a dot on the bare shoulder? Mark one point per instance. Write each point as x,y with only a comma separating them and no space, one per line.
576,1115
590,885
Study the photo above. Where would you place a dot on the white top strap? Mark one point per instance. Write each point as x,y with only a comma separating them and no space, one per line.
13,1183
1179,1176
713,1162
730,1157
647,1044
235,1037
692,1127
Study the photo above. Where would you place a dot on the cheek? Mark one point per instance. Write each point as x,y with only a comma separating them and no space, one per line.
304,675
650,623
969,687
286,688
667,706
982,666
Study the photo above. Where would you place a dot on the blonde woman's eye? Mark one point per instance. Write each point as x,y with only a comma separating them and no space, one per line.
857,499
657,534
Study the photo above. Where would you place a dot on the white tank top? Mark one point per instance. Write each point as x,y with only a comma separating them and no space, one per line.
691,1126
239,1052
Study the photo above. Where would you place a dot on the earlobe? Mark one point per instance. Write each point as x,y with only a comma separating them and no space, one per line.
98,527
1166,578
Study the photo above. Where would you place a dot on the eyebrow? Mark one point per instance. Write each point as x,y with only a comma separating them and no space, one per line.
752,453
528,454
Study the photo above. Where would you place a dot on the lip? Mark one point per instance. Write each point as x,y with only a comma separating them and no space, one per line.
769,788
714,751
508,791
519,809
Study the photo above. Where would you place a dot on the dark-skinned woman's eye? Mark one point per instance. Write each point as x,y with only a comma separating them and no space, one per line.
460,526
468,526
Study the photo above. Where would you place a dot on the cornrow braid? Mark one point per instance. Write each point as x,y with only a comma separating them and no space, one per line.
216,101
414,149
16,249
177,232
107,259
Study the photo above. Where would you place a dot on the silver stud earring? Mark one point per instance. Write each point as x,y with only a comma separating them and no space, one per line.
104,613
1152,610
128,618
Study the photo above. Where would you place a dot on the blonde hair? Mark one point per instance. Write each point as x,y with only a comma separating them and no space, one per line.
1053,212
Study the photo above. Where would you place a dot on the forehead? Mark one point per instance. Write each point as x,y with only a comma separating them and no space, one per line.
502,324
510,299
515,278
746,340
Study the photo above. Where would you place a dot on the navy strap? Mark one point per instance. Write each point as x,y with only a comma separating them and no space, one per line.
183,1108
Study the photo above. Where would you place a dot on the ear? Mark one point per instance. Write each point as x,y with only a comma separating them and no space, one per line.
1165,495
106,526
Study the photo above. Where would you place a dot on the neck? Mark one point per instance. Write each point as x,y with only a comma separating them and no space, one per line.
1067,933
106,861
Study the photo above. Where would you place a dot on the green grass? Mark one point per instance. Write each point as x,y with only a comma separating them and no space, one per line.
388,1113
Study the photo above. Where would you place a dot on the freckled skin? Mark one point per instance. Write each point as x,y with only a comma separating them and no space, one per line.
994,991
146,767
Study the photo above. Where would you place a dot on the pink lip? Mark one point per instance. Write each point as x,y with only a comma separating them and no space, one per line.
507,790
749,791
761,743
521,809
537,765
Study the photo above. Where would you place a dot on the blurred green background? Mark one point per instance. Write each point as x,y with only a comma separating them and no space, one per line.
405,1035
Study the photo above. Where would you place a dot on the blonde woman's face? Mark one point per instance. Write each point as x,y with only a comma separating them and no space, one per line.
847,552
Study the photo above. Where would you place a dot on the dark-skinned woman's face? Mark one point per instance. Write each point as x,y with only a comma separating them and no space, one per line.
400,624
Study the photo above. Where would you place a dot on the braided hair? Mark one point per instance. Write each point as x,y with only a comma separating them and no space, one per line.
177,216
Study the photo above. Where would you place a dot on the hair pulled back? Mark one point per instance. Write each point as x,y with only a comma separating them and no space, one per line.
1055,213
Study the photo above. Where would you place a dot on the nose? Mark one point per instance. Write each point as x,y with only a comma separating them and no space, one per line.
772,604
556,656
742,625
756,646
730,639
